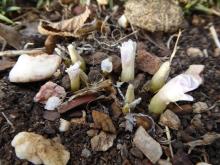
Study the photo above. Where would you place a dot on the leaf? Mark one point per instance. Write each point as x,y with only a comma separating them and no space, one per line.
68,28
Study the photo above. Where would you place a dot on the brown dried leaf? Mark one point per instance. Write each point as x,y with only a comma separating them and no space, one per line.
50,44
81,120
75,103
67,27
147,62
102,142
103,121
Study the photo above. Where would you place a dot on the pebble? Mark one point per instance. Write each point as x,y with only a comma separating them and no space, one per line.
170,119
92,132
200,107
194,52
86,153
216,52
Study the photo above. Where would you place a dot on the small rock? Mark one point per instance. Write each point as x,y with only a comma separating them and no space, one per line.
38,150
164,162
123,22
200,107
196,121
170,119
194,52
151,148
136,153
64,125
86,153
34,68
52,103
51,116
48,90
202,163
119,146
80,120
147,62
216,52
92,132
197,20
102,142
103,121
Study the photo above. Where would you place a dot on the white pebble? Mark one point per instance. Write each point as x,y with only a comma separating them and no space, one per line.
64,125
52,103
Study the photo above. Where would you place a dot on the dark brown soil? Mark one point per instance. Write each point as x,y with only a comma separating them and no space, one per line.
16,101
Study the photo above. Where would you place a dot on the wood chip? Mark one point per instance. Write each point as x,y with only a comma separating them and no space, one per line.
151,148
103,121
75,103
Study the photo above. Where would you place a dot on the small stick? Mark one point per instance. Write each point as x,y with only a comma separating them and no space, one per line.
215,36
169,140
8,121
14,53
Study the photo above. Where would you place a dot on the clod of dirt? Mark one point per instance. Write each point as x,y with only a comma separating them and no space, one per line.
194,52
38,150
102,142
147,62
30,69
170,119
151,148
103,121
96,58
86,153
200,107
48,90
157,15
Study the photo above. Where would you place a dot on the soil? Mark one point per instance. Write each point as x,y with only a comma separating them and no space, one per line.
16,102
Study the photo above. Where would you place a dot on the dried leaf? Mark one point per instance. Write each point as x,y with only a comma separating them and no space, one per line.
75,103
67,28
103,121
102,142
50,44
81,120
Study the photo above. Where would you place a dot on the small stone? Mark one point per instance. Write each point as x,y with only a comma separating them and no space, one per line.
123,22
164,162
119,146
151,148
92,132
216,52
65,82
64,125
147,62
136,153
194,52
34,68
196,121
86,153
170,119
103,141
200,107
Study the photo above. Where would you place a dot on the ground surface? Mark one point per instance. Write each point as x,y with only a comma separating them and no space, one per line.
16,101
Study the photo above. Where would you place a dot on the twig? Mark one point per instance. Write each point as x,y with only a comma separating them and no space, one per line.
170,39
175,47
215,36
14,53
169,139
8,121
